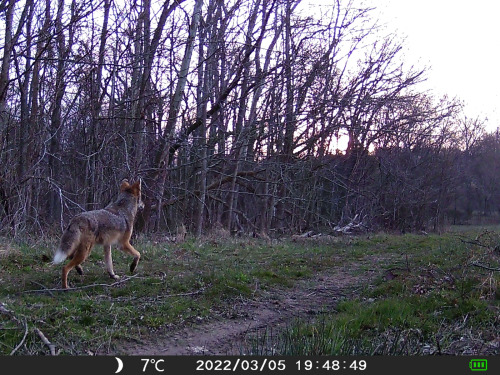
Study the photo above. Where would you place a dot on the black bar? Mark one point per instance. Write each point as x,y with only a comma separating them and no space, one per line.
188,365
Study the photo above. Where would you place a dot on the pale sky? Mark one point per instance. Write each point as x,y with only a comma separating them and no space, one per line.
459,40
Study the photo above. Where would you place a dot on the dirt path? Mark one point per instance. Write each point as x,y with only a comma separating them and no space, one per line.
272,310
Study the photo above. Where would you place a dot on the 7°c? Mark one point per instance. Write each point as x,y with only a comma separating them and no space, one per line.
155,362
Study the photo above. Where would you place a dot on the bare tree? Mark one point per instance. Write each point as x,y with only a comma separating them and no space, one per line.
232,112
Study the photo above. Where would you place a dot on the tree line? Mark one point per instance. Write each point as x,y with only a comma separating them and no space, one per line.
260,117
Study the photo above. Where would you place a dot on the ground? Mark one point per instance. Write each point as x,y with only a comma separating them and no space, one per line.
228,335
381,293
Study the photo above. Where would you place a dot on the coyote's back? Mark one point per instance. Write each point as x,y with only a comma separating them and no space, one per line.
113,224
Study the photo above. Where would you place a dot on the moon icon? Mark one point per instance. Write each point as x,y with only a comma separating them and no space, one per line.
120,365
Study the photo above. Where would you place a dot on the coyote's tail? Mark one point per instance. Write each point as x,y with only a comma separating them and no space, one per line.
69,241
59,256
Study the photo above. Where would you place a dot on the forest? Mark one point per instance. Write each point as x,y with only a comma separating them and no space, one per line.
258,117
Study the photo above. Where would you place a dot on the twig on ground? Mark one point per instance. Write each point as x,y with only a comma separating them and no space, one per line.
184,294
477,264
22,341
51,346
43,286
5,311
474,242
121,281
10,314
159,297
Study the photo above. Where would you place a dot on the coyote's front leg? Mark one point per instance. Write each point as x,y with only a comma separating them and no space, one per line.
109,262
129,249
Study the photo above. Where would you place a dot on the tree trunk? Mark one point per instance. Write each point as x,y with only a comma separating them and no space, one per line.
162,159
4,72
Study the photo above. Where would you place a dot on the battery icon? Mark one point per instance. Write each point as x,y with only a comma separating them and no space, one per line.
478,364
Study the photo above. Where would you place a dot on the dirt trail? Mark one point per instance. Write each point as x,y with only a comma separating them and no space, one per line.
274,309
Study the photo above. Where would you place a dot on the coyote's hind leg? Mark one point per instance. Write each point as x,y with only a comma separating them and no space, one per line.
78,258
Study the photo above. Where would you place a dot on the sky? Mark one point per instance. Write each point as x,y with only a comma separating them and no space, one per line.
459,41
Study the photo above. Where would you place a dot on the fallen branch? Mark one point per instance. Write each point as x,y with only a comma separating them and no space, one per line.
121,281
7,312
51,346
43,286
10,314
473,242
306,234
199,291
159,297
476,264
356,224
22,341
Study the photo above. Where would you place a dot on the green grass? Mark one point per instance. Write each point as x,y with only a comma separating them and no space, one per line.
392,326
436,296
435,301
175,285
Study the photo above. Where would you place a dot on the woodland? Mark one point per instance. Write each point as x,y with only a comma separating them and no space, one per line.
260,117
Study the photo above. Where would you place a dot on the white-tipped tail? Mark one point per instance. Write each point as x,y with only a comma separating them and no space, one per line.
59,257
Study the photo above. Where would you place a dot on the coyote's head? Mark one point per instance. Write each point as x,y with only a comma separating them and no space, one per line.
134,189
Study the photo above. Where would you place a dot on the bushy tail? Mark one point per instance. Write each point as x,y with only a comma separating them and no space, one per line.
59,256
69,241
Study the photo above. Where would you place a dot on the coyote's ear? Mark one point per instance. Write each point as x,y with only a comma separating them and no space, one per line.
124,185
136,188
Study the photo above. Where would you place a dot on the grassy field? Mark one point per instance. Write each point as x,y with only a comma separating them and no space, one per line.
431,294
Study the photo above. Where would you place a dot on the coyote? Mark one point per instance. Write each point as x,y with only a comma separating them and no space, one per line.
113,224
